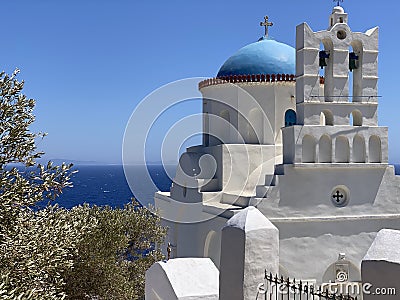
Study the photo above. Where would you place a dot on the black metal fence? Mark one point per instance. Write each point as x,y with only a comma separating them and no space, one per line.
280,288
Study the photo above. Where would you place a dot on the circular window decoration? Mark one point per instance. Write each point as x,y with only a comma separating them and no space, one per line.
340,196
341,34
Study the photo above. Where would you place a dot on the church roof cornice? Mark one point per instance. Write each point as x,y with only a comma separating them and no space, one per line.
263,78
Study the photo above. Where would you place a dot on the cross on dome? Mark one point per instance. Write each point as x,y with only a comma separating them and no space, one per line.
266,24
338,2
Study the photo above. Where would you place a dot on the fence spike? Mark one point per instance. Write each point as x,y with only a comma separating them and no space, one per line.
319,292
300,289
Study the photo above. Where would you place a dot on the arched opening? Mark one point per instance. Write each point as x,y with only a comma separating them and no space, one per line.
326,118
211,246
323,59
342,150
325,149
206,126
209,239
375,150
290,118
308,149
356,66
350,76
358,149
255,126
356,118
326,64
224,132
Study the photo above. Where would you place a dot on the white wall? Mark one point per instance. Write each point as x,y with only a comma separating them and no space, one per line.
242,100
376,149
182,279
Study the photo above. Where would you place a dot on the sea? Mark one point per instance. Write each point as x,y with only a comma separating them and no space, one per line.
106,185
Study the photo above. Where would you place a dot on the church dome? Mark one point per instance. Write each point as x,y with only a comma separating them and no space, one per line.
266,56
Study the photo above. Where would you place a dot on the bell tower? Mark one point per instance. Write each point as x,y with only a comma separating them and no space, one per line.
337,119
348,62
338,16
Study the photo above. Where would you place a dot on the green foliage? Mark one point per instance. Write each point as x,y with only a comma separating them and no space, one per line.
41,249
112,258
55,253
34,245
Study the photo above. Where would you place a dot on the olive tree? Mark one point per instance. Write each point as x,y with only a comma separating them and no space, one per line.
51,252
34,243
112,258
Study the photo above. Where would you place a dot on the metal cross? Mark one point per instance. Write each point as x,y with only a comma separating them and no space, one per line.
337,195
169,250
266,24
338,2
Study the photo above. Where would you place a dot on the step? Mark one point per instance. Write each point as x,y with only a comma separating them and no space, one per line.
271,180
257,201
262,191
242,201
254,201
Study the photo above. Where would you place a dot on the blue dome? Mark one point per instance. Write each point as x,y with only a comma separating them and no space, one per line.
265,56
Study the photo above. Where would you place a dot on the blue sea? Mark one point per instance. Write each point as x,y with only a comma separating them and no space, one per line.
106,185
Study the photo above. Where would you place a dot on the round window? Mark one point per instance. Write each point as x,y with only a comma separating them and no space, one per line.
341,34
340,196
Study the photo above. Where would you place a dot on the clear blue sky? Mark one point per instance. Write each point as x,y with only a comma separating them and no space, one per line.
89,62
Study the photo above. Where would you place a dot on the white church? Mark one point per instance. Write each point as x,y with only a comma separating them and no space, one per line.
292,146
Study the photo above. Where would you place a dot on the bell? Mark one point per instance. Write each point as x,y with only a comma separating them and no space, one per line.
322,59
322,62
353,61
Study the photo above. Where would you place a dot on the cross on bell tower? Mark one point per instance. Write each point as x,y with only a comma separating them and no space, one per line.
266,24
